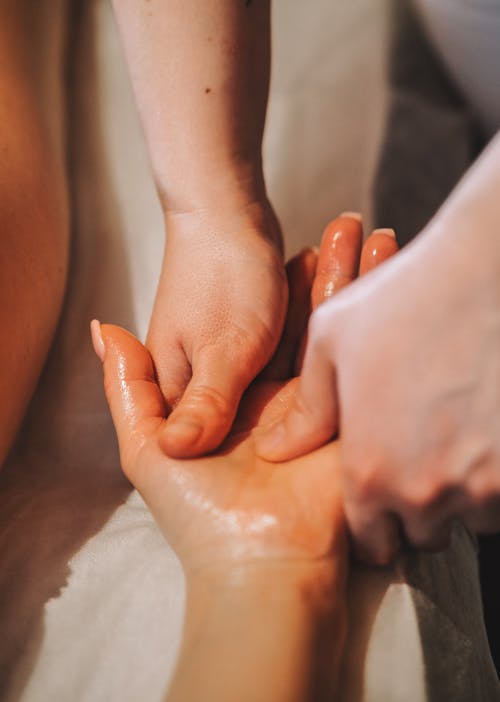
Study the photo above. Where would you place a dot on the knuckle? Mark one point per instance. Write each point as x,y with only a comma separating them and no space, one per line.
483,484
481,492
210,399
366,475
429,537
379,554
383,556
421,495
320,322
425,491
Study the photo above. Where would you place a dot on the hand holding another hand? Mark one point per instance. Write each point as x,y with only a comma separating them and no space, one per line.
405,363
217,319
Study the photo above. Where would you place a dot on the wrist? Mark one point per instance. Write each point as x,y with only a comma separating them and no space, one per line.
219,184
242,215
319,581
277,627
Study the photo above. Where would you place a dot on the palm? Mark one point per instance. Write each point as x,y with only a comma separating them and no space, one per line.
235,505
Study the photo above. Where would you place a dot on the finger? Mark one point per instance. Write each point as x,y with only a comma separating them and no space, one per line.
423,534
338,259
484,519
376,536
206,411
172,367
133,395
337,266
380,245
300,272
312,417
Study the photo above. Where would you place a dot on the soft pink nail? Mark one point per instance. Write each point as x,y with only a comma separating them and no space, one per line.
97,340
353,215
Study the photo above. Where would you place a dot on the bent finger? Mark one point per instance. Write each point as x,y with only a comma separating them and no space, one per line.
206,411
375,535
312,418
426,535
300,271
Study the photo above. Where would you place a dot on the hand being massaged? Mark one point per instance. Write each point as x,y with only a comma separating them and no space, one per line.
231,516
232,504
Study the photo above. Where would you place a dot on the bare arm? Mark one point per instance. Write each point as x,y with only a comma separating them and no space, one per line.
200,70
435,330
266,633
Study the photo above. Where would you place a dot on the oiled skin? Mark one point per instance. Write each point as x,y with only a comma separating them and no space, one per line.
269,537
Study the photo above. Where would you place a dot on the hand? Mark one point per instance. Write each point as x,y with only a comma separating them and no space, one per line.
411,356
263,546
234,505
217,319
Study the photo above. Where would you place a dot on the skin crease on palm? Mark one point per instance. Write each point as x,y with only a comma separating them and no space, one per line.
233,506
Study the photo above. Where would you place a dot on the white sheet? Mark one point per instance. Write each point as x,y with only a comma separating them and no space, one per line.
91,597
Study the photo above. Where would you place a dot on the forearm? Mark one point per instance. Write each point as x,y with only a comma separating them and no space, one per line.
467,225
200,72
265,633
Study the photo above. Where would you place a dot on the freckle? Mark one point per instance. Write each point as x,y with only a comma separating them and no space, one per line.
208,90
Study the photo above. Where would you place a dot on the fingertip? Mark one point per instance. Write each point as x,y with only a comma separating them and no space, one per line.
352,215
377,557
386,231
270,442
181,439
378,247
198,425
376,541
339,256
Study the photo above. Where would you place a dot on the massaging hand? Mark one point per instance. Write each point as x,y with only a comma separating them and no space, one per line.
233,505
406,364
217,320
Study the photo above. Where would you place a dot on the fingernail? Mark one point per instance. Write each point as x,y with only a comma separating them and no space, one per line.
97,340
387,232
183,431
353,215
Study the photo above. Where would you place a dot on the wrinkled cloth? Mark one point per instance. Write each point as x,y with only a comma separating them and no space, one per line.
91,597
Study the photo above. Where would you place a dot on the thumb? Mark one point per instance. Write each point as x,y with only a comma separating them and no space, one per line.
312,418
133,395
206,411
